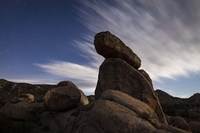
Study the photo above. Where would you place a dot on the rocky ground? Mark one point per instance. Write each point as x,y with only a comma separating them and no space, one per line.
124,101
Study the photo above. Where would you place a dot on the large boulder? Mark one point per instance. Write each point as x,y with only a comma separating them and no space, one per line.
110,46
64,97
111,117
84,99
143,110
116,74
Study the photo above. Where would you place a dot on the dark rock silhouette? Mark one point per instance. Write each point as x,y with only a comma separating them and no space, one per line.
124,101
187,108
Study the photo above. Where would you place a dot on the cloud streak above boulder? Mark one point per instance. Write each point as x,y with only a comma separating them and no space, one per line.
164,34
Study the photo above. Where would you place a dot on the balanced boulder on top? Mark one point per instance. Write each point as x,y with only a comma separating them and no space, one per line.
110,46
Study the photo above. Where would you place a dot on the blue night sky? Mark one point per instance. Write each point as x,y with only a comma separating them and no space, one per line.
46,41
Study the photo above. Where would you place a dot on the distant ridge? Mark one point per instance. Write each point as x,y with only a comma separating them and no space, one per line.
189,108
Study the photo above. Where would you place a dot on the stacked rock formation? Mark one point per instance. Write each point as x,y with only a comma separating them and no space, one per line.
120,72
124,101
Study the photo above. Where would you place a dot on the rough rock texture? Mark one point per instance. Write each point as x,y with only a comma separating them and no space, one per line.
65,97
116,74
10,91
110,46
113,117
142,109
194,126
188,108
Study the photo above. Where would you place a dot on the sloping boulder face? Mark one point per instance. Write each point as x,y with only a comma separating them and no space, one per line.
146,75
110,46
142,109
116,74
65,97
64,83
84,100
110,117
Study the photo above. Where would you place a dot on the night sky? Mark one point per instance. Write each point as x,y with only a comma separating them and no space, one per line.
46,41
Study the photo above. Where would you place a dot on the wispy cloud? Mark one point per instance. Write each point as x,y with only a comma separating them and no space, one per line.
83,76
164,34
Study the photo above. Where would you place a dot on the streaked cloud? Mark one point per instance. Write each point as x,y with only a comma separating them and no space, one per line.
165,34
85,77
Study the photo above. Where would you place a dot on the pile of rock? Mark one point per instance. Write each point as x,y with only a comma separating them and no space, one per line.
125,101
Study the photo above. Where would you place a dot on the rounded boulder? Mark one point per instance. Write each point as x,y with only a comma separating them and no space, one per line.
63,97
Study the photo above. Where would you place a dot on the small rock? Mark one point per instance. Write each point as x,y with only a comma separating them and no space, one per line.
24,98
